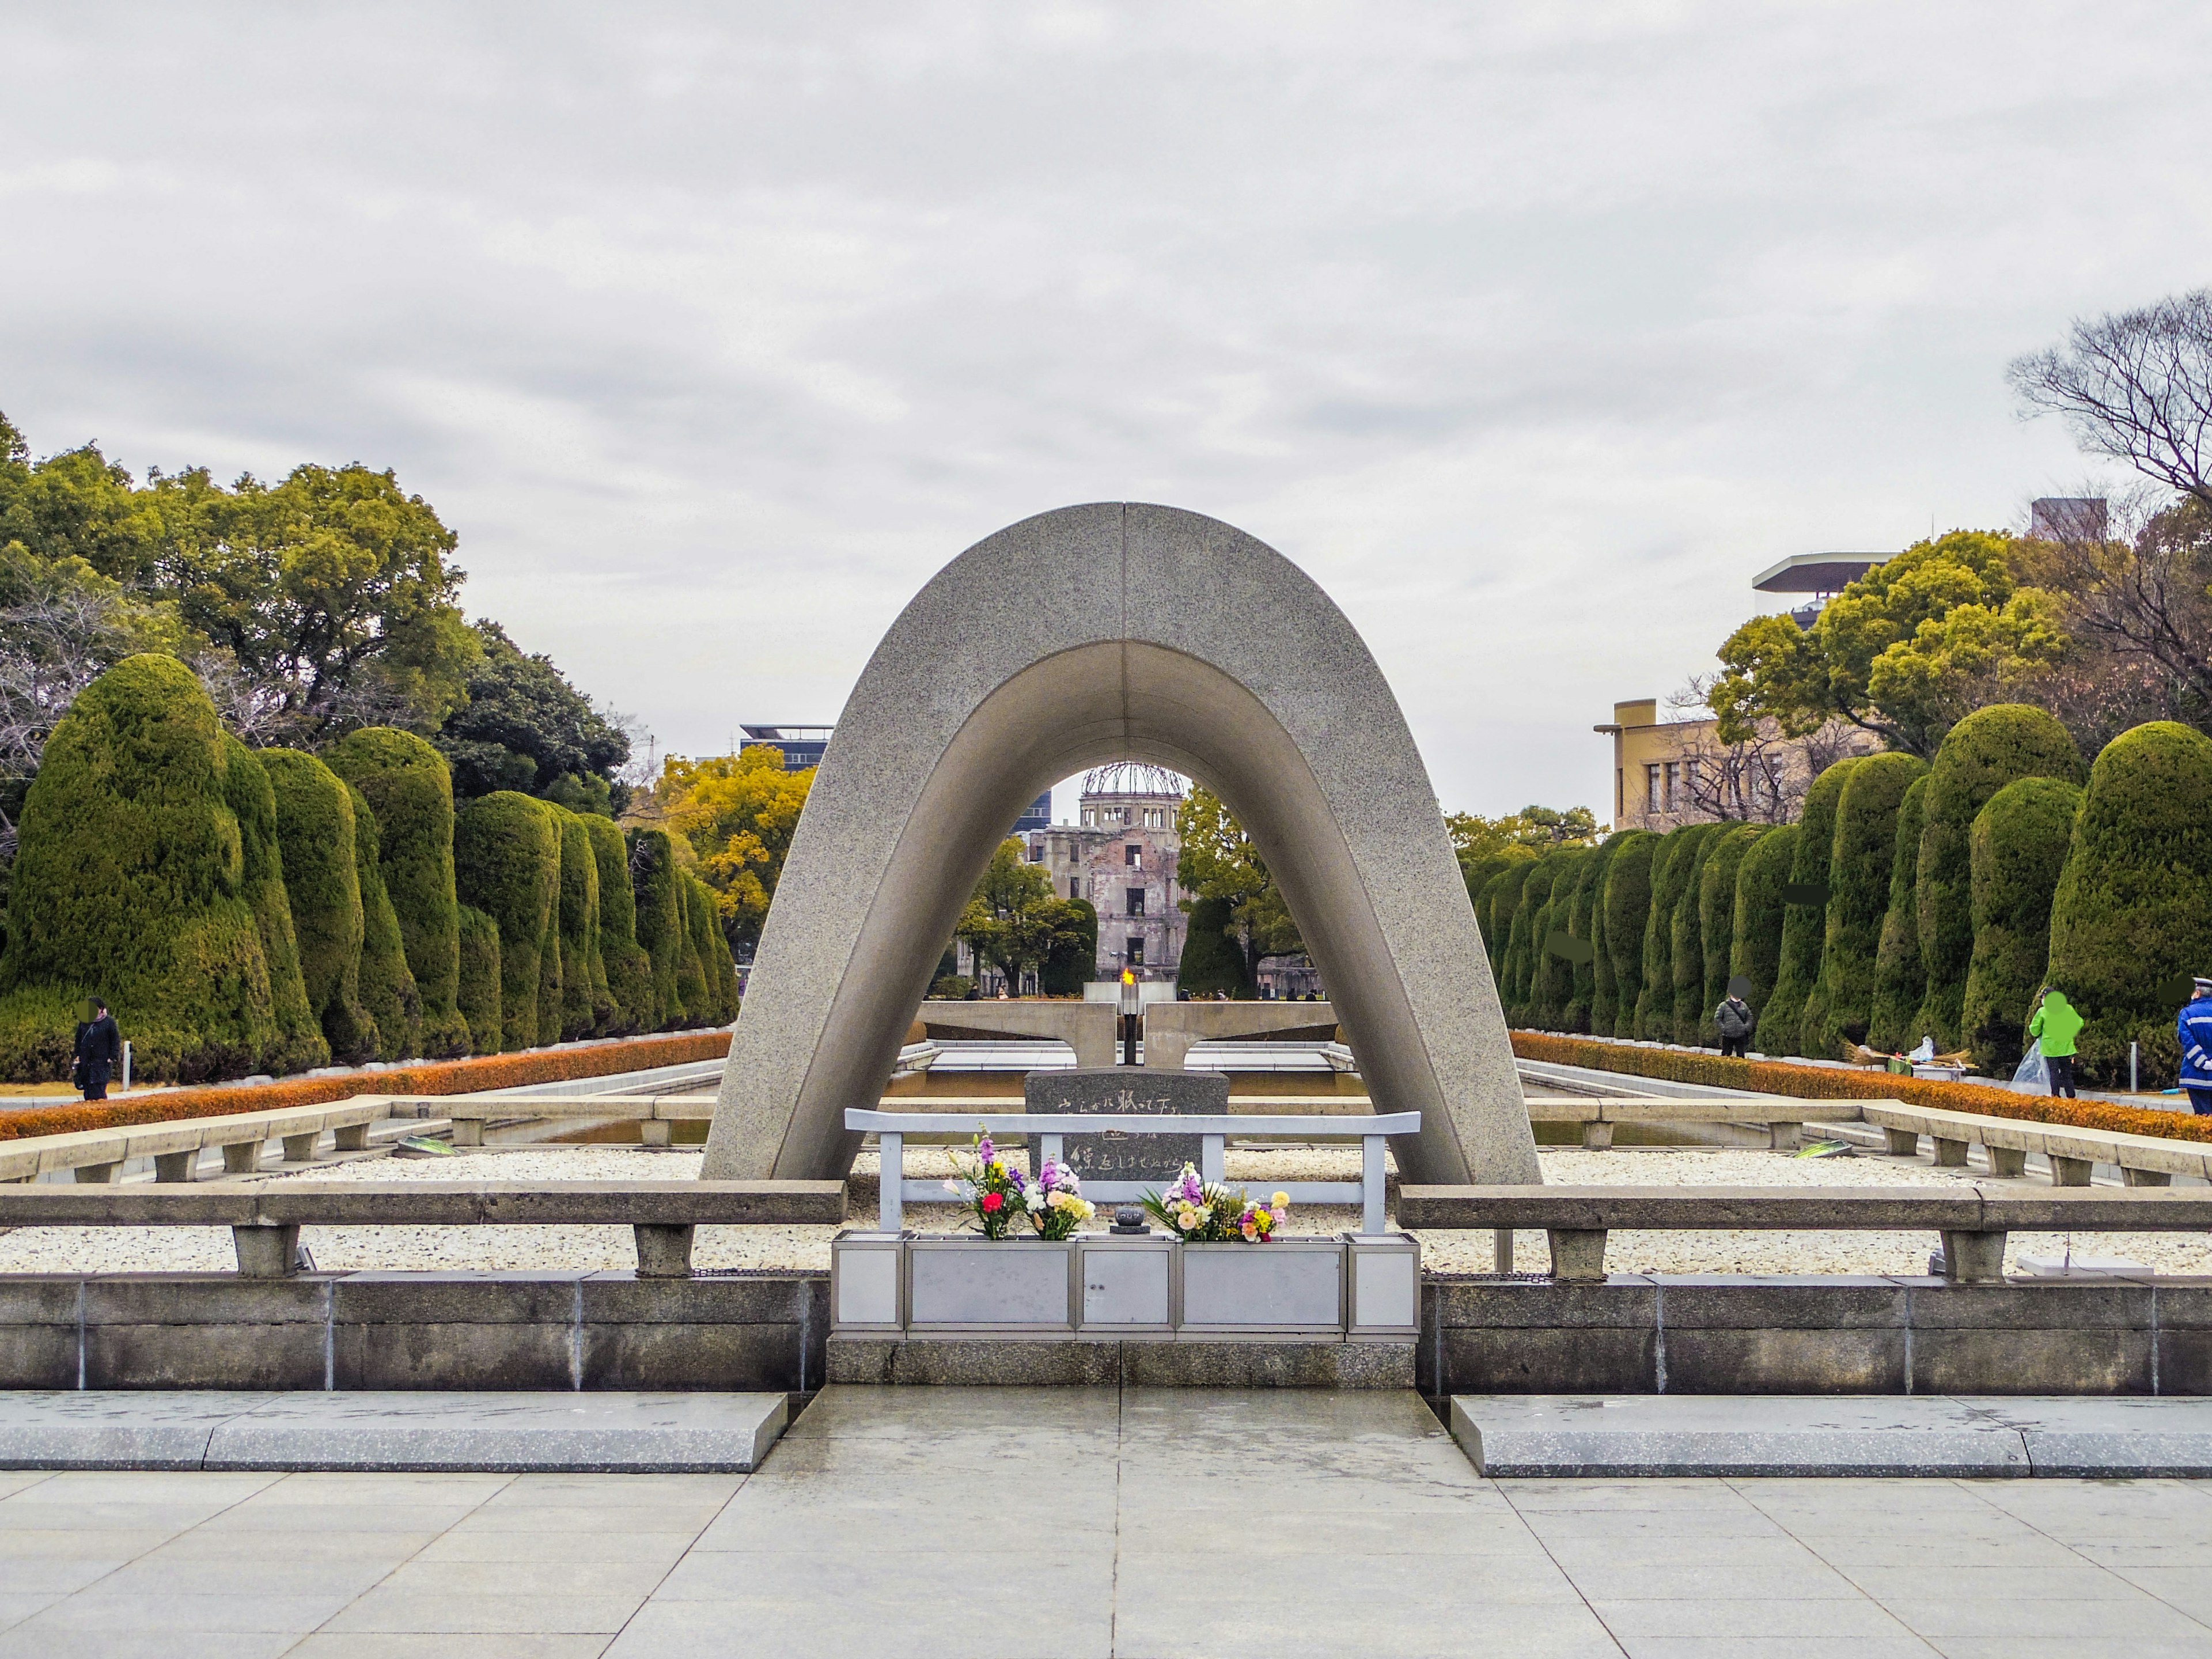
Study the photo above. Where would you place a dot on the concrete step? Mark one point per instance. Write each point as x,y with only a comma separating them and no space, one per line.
1587,1435
418,1432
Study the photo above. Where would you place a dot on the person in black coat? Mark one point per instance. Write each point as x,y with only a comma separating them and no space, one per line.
99,1052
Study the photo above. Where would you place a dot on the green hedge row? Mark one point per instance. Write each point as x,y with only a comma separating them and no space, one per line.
1910,901
271,912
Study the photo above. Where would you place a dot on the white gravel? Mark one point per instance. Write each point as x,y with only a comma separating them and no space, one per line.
197,1248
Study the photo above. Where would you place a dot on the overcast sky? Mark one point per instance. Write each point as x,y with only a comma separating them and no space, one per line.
1532,331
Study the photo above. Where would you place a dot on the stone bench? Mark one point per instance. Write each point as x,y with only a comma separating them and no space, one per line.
2143,1160
96,1156
1780,1115
1974,1221
266,1217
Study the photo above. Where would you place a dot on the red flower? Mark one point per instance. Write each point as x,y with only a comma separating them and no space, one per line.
994,1202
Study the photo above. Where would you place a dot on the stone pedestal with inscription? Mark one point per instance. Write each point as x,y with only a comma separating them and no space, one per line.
1154,1160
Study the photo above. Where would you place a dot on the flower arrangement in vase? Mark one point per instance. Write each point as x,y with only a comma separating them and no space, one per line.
990,1187
1206,1213
1054,1202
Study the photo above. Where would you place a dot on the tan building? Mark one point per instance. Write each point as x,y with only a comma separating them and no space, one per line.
1667,773
1121,857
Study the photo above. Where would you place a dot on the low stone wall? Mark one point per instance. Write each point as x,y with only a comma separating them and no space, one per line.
1631,1334
1638,1335
394,1330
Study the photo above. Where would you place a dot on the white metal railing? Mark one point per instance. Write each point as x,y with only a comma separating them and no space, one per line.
891,1129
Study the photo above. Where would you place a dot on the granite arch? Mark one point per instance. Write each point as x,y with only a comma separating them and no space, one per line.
1091,634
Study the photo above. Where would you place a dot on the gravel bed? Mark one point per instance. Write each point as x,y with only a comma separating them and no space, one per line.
203,1249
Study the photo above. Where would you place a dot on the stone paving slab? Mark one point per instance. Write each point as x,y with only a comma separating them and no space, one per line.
1594,1436
508,1433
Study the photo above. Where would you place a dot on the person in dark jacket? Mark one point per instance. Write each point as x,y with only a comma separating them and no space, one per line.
1734,1020
2195,1029
99,1052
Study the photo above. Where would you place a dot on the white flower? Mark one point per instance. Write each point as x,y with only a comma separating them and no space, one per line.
1033,1197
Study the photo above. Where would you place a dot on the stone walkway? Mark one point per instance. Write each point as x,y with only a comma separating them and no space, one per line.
1152,1525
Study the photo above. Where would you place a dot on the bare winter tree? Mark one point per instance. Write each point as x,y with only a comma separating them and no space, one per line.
2135,385
1761,780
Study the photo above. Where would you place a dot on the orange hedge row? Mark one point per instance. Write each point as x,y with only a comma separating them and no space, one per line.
1829,1082
450,1076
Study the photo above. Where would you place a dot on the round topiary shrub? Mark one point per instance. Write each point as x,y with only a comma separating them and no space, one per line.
1672,866
1899,982
2131,914
1804,926
1716,921
1860,862
1627,914
629,969
507,863
130,883
406,784
387,985
475,982
587,1004
299,1042
1982,753
315,831
1756,935
660,929
2018,845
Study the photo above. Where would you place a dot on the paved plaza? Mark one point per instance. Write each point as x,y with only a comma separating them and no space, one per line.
1147,1524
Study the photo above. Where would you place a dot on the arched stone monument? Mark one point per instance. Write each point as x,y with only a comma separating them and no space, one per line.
1093,634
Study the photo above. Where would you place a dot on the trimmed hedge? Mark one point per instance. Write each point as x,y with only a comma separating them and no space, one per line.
127,883
1685,945
1520,949
507,863
2132,911
2019,846
475,981
315,831
1984,752
1672,866
1479,876
1716,921
712,947
455,1077
1804,926
587,1007
1900,983
1860,861
1627,912
299,1042
653,883
629,969
1210,963
1552,979
691,987
1755,950
1505,890
407,786
387,985
1775,1077
1583,910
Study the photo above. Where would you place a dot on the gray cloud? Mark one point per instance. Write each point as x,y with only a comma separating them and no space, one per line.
1532,331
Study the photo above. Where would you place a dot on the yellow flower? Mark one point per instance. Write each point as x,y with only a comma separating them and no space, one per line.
1280,1200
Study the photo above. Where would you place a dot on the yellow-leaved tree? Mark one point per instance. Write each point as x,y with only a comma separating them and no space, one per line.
739,813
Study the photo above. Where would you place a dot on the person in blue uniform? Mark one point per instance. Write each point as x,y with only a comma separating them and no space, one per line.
2195,1029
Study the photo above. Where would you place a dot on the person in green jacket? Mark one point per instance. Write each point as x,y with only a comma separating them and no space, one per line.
2055,1023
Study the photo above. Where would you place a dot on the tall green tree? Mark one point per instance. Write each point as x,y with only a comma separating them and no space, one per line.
1627,914
2020,841
1014,923
1901,980
1804,920
1716,893
1218,860
525,728
1755,946
1860,859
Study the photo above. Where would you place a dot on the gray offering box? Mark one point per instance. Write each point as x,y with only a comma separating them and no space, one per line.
1290,1285
1153,1159
867,1287
1128,1284
983,1284
1382,1290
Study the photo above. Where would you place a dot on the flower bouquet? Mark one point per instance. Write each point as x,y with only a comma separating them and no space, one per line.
1206,1213
1054,1202
991,1187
